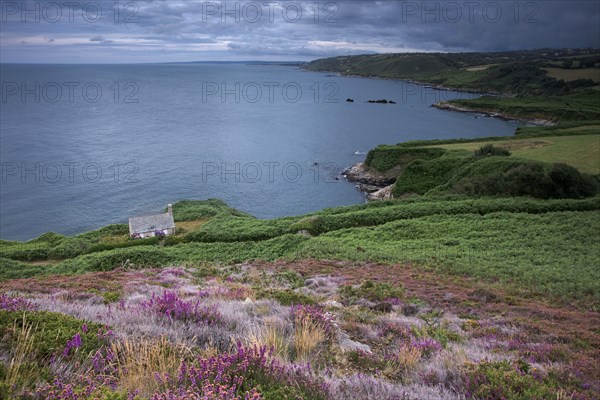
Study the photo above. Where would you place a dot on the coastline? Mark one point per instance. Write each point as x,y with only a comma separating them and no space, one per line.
414,82
374,186
446,105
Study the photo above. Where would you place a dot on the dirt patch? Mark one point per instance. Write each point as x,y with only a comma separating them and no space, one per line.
99,281
480,67
190,226
525,144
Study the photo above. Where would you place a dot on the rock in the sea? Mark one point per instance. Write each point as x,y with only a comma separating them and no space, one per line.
382,101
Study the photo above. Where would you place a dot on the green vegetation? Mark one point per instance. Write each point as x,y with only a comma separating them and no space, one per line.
542,246
580,151
387,157
573,74
286,297
510,381
373,291
488,169
551,85
50,331
578,106
490,150
517,72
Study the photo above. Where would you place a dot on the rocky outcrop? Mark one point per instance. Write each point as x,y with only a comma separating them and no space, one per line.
363,175
377,186
347,344
382,194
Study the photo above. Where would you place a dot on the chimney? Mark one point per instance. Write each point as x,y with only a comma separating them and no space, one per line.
169,209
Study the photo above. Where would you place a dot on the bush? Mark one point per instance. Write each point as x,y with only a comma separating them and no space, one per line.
373,291
190,210
505,380
420,176
134,257
531,179
568,182
292,278
400,211
491,150
383,158
13,269
51,331
287,297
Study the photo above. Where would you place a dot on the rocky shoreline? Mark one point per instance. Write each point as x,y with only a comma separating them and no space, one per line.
447,106
375,186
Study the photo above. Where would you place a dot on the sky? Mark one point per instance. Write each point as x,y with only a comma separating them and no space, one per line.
123,31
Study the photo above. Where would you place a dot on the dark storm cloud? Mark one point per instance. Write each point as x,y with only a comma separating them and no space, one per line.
186,30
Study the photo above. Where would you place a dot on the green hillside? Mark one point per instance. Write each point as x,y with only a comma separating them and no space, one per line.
557,85
453,235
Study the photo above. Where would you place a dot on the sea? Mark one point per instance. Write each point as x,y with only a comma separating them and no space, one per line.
82,146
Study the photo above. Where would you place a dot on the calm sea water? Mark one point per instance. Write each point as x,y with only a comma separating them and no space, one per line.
85,146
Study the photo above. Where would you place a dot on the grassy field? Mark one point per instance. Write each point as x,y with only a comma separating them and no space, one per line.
573,107
574,74
580,151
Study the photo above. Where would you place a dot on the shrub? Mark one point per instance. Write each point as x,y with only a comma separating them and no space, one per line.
10,303
292,278
373,291
110,297
170,305
143,256
249,371
385,157
13,269
51,331
315,314
506,380
491,150
530,179
392,365
568,182
420,176
286,297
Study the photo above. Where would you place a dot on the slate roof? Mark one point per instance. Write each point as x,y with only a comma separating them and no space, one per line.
150,223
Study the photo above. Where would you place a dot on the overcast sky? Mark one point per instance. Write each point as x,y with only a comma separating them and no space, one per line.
81,31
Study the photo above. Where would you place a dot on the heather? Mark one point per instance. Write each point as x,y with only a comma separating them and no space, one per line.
218,331
425,298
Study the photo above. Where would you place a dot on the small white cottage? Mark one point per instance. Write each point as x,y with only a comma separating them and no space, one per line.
151,225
